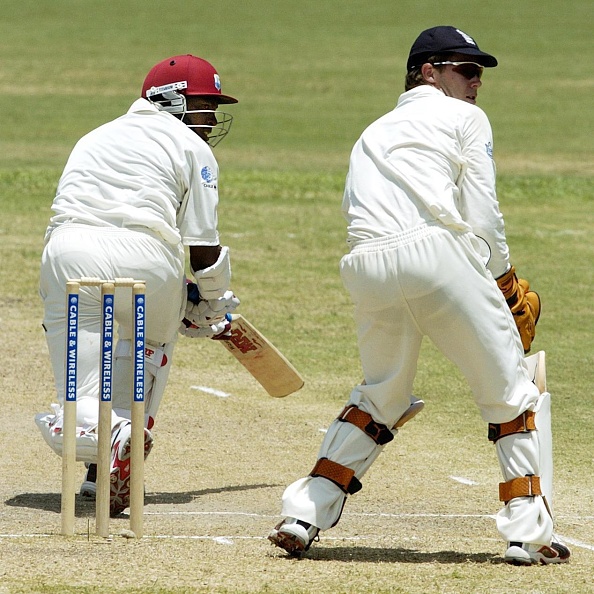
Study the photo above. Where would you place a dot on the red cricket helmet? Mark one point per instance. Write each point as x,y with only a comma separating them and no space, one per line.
186,74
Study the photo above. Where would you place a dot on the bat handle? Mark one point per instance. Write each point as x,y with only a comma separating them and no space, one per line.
226,334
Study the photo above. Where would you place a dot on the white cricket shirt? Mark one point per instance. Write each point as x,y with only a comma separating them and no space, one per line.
144,169
429,159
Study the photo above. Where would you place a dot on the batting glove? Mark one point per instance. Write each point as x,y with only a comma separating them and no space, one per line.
205,311
216,329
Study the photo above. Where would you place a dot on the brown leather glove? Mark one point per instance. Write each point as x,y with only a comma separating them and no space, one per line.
523,303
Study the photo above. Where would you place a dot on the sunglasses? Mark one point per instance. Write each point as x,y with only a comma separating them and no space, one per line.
467,69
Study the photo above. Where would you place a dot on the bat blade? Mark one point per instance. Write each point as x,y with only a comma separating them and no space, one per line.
262,359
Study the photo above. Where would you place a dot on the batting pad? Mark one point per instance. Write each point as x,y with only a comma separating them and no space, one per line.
319,501
529,519
157,366
50,425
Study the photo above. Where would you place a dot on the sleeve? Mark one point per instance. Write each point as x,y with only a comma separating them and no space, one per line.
197,218
479,206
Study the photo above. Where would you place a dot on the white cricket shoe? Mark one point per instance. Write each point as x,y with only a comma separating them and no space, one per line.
294,536
88,489
119,474
532,554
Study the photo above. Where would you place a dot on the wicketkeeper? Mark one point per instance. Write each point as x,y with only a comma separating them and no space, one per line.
135,193
429,257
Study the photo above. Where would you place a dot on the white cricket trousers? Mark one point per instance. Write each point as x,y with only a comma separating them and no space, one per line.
429,281
76,250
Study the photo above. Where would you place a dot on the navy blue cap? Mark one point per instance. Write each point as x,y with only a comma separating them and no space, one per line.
444,40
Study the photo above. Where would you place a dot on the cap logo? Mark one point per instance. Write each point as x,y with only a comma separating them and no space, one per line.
217,82
466,37
176,86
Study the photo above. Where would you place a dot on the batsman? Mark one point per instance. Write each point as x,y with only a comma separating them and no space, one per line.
136,194
429,257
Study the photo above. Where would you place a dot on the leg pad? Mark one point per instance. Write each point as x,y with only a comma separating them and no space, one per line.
525,486
340,475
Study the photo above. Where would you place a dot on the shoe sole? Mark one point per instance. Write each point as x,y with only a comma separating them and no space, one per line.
119,478
289,542
519,557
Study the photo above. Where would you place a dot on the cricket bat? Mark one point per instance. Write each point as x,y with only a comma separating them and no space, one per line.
261,358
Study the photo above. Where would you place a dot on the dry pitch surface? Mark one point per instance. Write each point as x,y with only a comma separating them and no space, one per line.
422,523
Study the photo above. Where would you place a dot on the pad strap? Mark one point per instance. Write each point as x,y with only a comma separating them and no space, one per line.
378,432
525,486
337,473
522,424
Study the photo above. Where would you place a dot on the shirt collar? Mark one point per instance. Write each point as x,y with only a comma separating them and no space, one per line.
420,91
142,105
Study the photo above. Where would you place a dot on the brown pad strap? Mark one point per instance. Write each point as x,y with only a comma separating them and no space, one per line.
378,432
522,424
525,486
340,475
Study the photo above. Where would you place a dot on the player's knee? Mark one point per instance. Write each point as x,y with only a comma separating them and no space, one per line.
523,423
380,433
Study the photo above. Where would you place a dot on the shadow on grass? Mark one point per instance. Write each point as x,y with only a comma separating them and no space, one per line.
362,554
51,501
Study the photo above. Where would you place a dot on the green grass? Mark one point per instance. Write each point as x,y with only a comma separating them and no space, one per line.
310,76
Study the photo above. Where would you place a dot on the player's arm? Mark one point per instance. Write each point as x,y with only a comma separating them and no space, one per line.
203,256
209,298
479,206
482,209
209,295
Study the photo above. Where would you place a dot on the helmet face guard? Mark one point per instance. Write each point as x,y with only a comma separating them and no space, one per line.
218,131
167,98
195,78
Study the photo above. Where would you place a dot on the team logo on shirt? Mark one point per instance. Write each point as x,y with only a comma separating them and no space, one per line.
489,149
208,177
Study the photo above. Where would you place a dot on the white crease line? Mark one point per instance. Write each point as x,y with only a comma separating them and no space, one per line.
576,543
449,516
218,539
203,513
213,391
463,480
229,539
354,514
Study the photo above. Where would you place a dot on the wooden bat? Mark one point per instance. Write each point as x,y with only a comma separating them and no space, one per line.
261,358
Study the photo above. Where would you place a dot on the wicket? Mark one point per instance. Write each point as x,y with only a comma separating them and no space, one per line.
105,404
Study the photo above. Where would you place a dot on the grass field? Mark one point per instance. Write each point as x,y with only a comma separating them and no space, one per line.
310,76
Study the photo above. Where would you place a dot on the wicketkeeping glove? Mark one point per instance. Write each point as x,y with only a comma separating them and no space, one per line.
523,303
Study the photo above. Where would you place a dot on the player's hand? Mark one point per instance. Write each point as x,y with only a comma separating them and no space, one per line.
523,303
218,329
202,311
